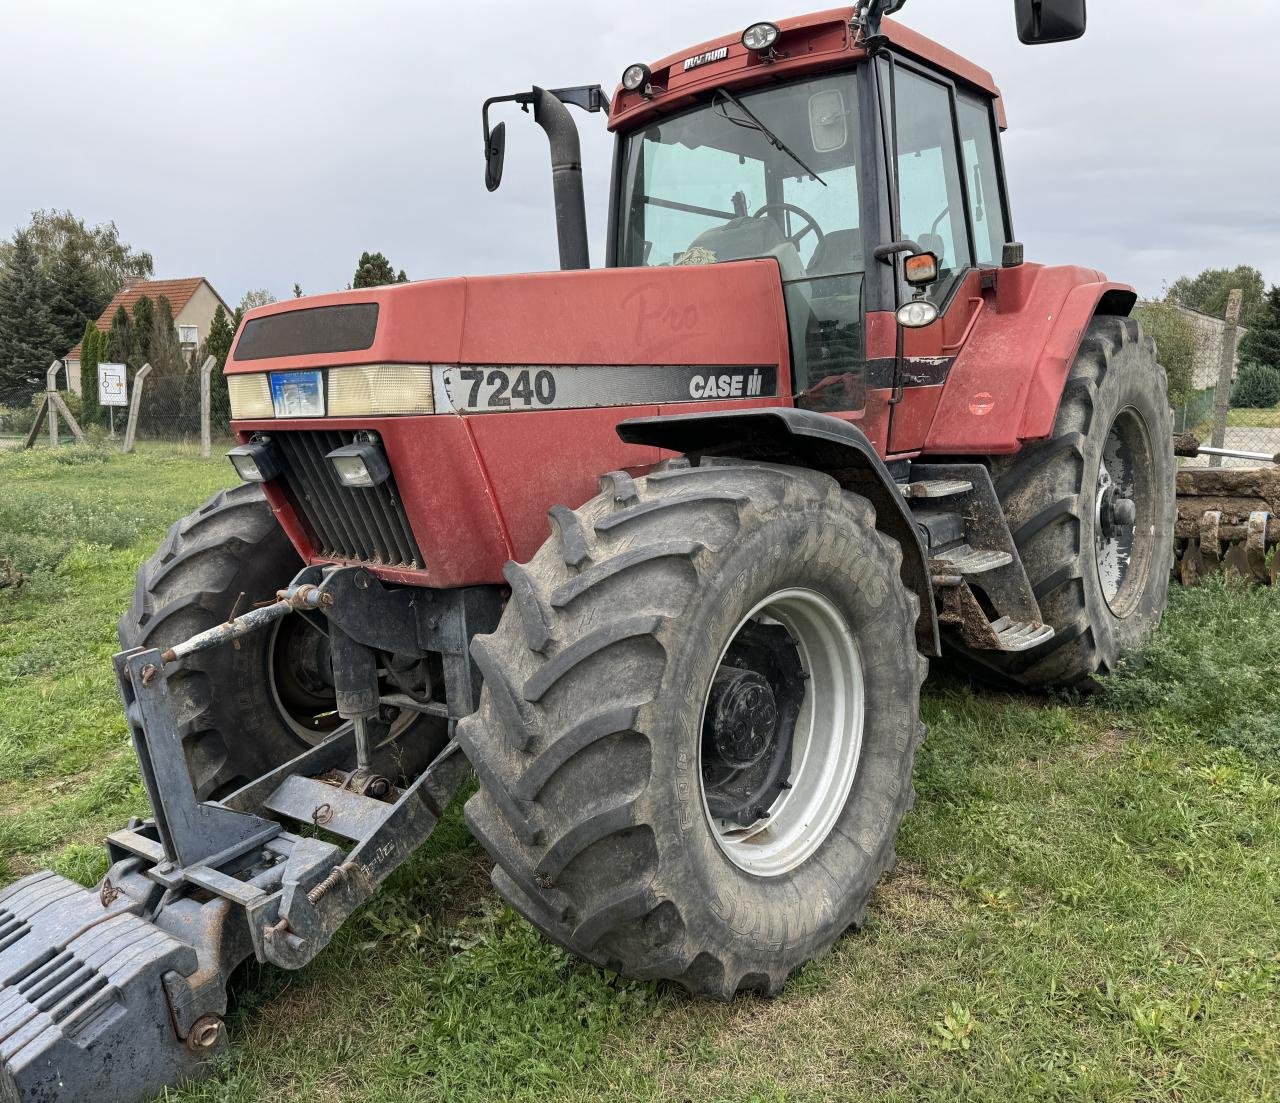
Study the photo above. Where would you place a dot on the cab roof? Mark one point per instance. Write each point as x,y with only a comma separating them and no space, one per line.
807,44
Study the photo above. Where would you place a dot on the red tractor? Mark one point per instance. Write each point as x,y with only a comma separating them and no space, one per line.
816,421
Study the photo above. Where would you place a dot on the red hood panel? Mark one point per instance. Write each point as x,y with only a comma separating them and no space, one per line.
721,314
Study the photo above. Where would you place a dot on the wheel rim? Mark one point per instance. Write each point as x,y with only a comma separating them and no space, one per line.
1124,513
301,684
301,687
825,742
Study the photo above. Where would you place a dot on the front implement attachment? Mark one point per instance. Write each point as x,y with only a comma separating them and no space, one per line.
112,994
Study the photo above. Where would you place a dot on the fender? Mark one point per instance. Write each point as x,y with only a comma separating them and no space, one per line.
1007,381
805,438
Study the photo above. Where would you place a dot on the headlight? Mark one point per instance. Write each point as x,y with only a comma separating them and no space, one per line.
361,464
256,462
635,77
250,397
379,390
760,36
917,314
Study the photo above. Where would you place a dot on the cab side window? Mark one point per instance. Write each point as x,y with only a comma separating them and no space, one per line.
931,200
986,203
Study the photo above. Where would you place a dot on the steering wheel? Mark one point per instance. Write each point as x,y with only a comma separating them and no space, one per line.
810,226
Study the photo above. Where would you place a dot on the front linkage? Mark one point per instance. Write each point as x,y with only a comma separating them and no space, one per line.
114,993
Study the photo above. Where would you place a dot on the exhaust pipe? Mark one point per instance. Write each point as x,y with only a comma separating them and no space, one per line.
550,113
566,178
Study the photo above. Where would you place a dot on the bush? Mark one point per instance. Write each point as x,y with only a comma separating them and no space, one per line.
1257,387
1177,345
17,420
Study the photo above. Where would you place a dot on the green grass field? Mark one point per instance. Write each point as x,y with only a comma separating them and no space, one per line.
1085,907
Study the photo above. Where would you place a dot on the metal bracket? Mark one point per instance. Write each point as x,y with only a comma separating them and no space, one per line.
192,832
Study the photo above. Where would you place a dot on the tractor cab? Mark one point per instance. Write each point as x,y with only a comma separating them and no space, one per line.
875,184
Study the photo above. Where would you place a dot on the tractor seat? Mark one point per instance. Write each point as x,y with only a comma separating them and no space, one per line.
838,253
747,238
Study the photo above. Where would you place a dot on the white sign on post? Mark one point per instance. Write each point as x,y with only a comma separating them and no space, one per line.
113,390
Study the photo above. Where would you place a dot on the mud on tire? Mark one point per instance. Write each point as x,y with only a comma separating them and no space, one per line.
1050,496
587,740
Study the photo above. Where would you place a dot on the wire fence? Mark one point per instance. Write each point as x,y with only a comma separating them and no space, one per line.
183,404
1239,411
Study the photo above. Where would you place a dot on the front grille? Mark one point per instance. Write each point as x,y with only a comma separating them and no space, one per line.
364,525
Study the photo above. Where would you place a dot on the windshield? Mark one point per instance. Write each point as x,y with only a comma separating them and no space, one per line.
771,173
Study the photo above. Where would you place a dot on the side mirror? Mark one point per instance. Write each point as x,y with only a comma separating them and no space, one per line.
1045,21
495,152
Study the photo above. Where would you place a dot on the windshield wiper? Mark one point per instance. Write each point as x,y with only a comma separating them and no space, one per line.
756,124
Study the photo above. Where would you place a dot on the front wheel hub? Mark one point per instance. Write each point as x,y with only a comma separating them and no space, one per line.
782,732
743,714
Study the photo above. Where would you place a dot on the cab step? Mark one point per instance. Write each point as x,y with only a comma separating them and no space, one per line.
1021,635
936,488
949,566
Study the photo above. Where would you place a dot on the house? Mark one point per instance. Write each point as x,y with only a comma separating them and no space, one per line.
193,300
1210,333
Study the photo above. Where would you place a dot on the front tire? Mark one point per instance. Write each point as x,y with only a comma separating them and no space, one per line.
619,826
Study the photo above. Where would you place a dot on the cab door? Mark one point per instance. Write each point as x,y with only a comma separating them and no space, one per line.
949,198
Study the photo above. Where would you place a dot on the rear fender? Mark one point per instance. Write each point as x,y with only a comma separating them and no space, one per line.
1006,383
804,438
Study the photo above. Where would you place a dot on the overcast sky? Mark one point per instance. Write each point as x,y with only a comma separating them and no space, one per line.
263,143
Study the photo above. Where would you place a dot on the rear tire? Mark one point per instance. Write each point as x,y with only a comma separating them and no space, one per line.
1115,400
589,738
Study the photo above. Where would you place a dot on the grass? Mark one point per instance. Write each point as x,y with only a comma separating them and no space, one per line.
1253,419
1243,418
1084,908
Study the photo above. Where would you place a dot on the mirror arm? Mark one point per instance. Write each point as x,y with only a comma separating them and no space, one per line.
886,253
589,97
870,13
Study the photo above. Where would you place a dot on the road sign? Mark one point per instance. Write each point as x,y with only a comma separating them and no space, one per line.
113,390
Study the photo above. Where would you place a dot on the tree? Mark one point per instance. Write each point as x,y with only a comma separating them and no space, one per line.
92,348
120,338
1208,291
75,294
256,298
111,262
218,345
297,290
1261,344
140,325
165,351
1177,343
28,340
374,270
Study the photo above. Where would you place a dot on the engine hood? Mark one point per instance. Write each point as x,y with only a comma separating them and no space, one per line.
726,314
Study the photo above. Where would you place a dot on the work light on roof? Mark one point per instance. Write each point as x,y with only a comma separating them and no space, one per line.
635,77
760,36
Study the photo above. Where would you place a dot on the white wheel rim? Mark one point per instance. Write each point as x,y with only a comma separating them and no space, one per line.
826,745
1122,553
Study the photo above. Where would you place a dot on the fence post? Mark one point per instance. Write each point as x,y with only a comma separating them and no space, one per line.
1226,369
50,389
135,405
206,439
